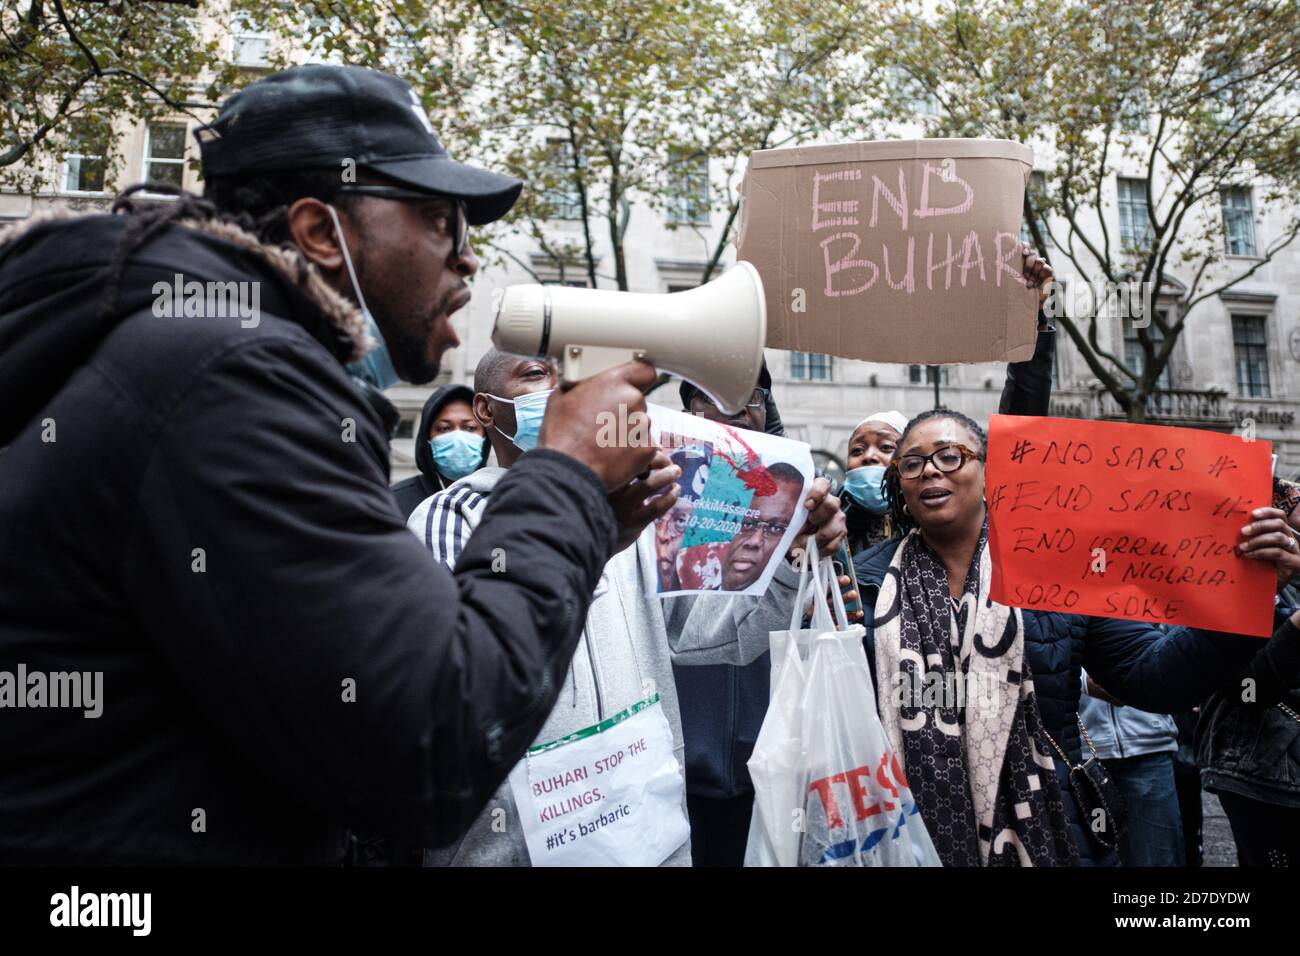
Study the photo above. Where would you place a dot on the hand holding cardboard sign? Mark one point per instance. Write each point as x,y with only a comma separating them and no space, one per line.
1038,272
893,251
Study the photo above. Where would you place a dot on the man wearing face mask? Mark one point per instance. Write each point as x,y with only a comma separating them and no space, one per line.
449,444
633,640
281,662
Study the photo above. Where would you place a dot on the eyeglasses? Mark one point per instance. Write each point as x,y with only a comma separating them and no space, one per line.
770,529
948,459
457,231
757,400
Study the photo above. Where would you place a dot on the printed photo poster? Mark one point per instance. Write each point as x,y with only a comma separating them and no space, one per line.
739,508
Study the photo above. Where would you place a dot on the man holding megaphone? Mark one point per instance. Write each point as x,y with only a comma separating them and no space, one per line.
283,661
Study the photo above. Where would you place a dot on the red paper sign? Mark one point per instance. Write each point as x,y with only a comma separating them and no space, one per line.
1128,521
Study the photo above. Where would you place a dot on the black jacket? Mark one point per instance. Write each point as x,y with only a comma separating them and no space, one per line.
409,492
211,528
1245,742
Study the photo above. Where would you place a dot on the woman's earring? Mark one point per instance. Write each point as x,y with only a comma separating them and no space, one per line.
905,510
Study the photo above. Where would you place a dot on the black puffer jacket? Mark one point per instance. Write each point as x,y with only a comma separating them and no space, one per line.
409,492
198,509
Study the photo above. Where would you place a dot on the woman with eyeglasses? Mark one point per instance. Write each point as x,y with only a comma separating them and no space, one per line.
979,699
872,444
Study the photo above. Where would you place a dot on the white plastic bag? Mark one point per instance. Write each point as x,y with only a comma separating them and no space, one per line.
827,789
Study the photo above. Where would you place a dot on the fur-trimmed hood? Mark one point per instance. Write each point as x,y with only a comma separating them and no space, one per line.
58,303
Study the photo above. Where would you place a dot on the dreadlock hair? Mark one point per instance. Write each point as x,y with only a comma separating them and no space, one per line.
146,221
258,204
903,520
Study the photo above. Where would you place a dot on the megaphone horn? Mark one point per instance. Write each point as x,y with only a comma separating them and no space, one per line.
712,335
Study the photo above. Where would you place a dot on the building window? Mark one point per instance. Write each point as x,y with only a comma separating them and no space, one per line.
164,153
1134,223
688,189
249,44
86,159
1037,190
1135,111
1250,346
810,366
1238,221
1225,86
564,198
323,42
916,374
1136,359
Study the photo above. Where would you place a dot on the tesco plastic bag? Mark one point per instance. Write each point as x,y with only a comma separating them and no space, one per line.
828,791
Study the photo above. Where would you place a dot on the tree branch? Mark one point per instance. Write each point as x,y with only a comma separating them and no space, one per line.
1273,250
179,106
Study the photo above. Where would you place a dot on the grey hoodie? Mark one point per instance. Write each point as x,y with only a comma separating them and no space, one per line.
629,644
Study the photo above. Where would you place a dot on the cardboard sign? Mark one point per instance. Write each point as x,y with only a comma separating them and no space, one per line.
898,251
739,509
1127,521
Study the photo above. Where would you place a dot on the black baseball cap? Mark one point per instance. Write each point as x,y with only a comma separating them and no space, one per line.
688,391
320,115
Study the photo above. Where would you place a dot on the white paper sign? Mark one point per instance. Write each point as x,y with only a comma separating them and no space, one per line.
608,795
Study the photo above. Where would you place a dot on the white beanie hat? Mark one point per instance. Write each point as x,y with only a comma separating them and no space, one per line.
895,420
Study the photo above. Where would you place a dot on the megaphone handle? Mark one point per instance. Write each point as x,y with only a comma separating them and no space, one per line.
584,361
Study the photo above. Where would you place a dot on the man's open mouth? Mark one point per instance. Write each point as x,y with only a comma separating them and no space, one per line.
459,301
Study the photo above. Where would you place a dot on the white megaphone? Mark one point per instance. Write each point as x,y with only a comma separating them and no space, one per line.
712,335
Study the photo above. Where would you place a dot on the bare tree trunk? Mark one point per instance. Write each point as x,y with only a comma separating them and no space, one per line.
1137,412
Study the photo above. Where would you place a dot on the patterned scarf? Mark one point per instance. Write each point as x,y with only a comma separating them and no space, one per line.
957,702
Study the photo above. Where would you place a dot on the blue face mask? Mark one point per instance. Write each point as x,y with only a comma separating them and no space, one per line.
375,367
865,486
457,453
530,409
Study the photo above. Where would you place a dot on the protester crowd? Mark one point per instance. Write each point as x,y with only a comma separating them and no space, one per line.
304,666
